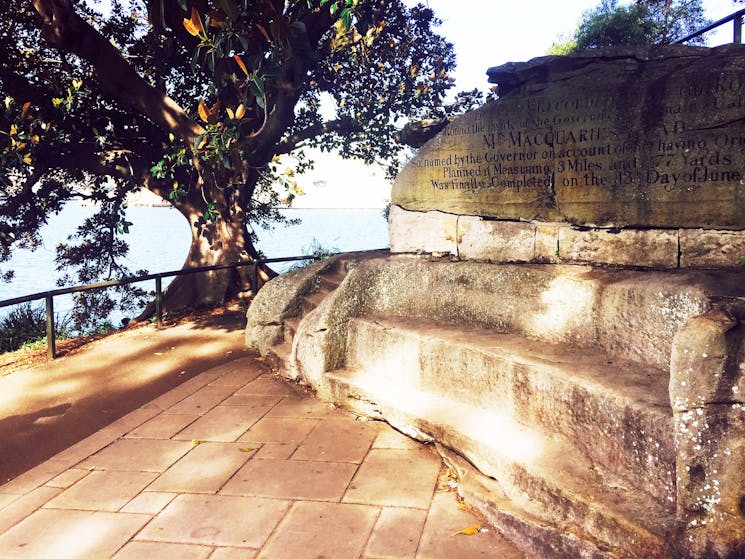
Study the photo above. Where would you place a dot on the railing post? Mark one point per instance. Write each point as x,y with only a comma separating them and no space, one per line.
51,342
158,302
255,278
737,39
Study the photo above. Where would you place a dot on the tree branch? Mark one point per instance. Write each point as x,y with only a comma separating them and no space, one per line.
118,163
64,29
26,194
341,126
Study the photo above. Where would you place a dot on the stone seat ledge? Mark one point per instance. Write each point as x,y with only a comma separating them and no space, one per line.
615,413
539,475
625,314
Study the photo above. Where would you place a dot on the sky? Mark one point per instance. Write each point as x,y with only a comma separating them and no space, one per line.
488,33
485,33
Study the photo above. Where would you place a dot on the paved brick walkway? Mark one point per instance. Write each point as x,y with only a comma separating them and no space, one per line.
235,463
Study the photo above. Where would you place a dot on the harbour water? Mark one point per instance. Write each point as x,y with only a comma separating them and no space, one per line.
159,240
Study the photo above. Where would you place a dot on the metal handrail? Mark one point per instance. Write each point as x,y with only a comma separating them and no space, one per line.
736,17
48,296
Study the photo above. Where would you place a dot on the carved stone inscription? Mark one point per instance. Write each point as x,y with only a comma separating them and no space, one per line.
646,143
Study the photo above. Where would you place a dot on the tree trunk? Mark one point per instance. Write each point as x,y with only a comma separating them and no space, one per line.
213,243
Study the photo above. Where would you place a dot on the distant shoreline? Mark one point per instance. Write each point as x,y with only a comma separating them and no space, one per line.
346,209
89,204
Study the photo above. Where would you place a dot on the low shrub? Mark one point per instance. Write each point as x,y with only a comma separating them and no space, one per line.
26,324
317,250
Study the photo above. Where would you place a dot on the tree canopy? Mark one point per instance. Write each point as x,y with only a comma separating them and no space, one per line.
643,22
199,101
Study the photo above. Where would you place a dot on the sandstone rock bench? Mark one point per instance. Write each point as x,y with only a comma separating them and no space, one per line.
590,412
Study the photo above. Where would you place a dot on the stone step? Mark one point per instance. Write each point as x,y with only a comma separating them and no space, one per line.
545,483
312,300
615,413
331,280
278,355
327,282
291,325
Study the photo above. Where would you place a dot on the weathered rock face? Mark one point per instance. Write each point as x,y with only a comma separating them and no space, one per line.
605,404
650,137
707,393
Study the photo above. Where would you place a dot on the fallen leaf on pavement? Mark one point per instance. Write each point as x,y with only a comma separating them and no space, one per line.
470,531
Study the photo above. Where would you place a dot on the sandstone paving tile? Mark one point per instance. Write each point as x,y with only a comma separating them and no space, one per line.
149,502
390,438
70,534
398,478
161,550
247,363
396,534
25,505
163,426
233,553
274,451
102,490
133,420
291,479
280,430
217,520
85,448
182,391
67,478
253,400
6,499
205,469
146,455
242,373
33,478
223,423
312,530
439,539
115,431
268,385
202,401
338,440
307,407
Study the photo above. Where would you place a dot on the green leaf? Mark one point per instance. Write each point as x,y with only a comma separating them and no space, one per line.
157,170
346,18
182,4
209,213
259,86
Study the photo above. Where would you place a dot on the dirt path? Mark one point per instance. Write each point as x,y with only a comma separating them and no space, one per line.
48,406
